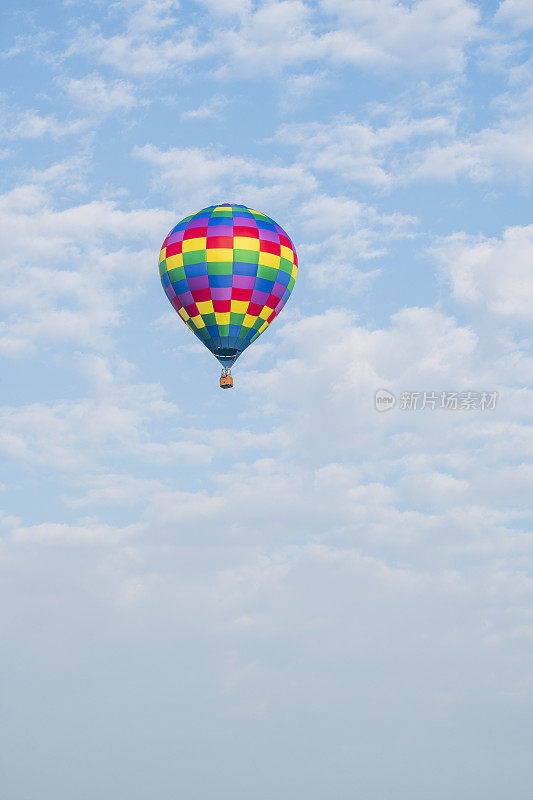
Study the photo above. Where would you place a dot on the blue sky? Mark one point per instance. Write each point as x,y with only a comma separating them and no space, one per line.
276,591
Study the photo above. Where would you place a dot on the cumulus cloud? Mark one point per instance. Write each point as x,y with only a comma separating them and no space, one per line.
95,94
299,87
154,40
489,272
500,152
277,36
70,302
359,151
86,533
31,124
212,108
341,235
363,152
376,35
71,436
205,176
395,34
517,13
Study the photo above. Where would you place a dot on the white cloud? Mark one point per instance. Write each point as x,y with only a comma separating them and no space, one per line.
155,41
503,152
120,419
395,35
115,490
421,345
211,109
495,274
221,8
71,436
407,149
276,36
24,43
94,94
86,533
325,386
377,34
69,174
357,150
95,98
204,176
33,125
298,88
69,302
517,13
272,38
312,625
341,234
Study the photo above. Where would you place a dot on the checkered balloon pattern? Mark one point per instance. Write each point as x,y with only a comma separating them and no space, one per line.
228,271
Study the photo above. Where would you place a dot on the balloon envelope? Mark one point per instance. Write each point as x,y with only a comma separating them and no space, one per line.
228,271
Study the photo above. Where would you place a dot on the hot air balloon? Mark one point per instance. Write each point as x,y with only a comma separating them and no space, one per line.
228,271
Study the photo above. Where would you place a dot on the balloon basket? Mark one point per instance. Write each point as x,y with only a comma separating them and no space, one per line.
226,381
